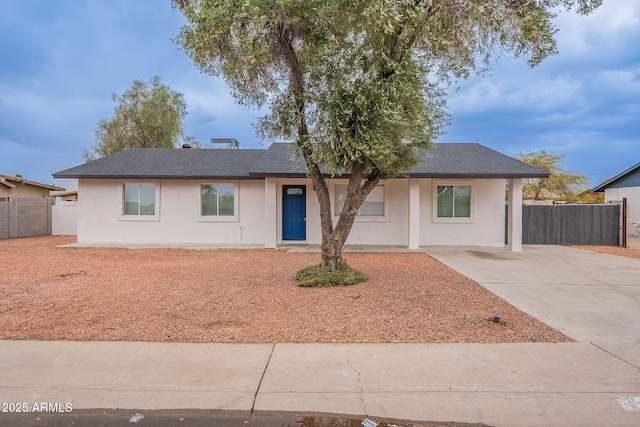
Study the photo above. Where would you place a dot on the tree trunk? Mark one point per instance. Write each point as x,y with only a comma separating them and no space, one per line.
332,252
332,238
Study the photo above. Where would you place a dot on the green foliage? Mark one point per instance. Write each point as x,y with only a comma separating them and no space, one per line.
147,115
359,85
560,185
360,81
589,197
320,276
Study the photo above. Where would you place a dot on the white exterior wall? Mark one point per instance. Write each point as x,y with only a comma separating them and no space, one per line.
64,219
633,205
485,228
177,219
486,225
514,227
393,229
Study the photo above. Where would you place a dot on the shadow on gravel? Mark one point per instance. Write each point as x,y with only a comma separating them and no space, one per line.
202,418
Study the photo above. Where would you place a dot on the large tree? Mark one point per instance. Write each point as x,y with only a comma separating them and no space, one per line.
560,185
148,114
358,85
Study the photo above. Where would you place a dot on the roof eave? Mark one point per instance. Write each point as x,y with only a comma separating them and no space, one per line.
603,186
410,175
477,175
133,177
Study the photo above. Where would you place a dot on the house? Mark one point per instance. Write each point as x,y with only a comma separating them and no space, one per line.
66,196
18,187
625,185
263,197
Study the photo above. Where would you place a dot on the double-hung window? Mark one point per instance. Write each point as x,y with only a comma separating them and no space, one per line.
453,201
373,206
217,200
139,199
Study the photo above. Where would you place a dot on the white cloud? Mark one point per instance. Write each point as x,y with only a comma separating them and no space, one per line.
606,28
551,93
625,81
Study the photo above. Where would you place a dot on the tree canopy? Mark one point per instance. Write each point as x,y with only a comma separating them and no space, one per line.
148,114
358,85
560,185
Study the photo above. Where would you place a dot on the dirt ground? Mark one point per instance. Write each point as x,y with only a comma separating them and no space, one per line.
631,251
242,296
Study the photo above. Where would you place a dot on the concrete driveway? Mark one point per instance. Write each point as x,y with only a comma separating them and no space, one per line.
588,296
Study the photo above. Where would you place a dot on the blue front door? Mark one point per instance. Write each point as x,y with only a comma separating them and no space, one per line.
294,212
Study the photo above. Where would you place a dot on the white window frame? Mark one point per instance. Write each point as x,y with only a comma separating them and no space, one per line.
455,220
225,218
154,217
359,218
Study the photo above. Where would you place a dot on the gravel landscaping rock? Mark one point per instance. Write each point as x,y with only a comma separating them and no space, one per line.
242,296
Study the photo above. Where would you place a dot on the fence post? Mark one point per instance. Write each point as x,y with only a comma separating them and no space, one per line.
623,241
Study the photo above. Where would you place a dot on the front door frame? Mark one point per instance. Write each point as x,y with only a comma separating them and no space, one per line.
295,233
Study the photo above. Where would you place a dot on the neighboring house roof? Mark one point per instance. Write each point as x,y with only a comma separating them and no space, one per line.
627,178
446,160
14,181
66,194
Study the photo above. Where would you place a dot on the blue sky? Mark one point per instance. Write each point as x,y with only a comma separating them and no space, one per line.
61,60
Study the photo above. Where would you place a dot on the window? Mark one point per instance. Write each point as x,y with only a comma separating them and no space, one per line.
454,201
139,199
217,200
373,206
294,191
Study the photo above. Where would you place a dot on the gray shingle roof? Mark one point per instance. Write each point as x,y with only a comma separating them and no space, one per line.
467,160
446,160
168,163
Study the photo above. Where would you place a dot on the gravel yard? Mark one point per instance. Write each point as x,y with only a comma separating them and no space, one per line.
242,296
632,251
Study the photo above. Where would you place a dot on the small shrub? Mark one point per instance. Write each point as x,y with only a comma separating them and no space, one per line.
319,276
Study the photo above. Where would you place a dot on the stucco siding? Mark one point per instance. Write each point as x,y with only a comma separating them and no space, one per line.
64,219
633,205
485,227
389,230
23,191
177,219
393,228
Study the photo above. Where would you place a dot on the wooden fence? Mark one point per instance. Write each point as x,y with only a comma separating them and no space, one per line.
588,224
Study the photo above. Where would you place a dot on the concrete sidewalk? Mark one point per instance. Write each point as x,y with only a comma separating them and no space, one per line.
575,384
